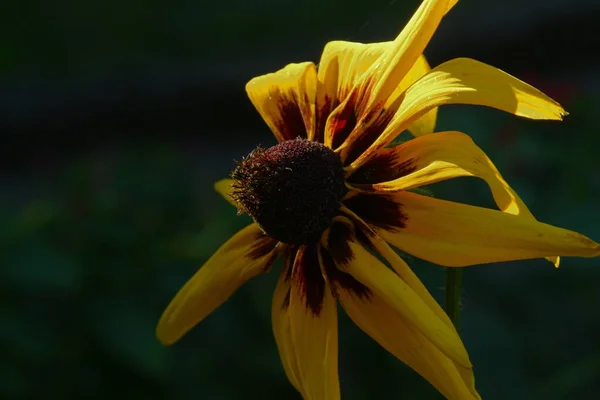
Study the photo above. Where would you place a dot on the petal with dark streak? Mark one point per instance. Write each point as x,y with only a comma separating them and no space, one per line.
247,254
355,302
343,64
286,100
353,259
378,211
307,333
308,278
373,124
457,235
352,128
371,240
281,321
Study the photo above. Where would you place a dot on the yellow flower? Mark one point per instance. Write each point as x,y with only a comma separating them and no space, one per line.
331,194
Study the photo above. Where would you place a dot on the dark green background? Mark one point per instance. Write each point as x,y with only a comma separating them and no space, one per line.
115,119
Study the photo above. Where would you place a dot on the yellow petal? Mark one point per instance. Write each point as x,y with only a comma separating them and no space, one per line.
286,100
344,63
451,4
447,155
247,254
382,334
399,265
426,123
351,127
395,63
352,258
224,188
281,323
466,81
456,235
311,339
340,69
380,321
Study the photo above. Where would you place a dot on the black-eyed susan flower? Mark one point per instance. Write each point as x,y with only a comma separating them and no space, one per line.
332,194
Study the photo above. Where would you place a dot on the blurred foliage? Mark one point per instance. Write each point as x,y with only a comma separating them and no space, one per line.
65,36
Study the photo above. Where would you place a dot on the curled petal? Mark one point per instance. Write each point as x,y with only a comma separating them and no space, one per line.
434,158
286,100
466,81
457,235
247,254
404,51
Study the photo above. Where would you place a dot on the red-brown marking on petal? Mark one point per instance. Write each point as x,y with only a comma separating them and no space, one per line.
342,280
342,123
375,123
366,89
262,246
291,125
286,300
383,167
338,240
377,210
308,278
324,107
289,256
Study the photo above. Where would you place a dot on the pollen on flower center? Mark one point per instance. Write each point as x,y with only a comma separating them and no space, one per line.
292,190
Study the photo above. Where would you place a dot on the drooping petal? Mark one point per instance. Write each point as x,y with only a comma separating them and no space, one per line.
466,81
456,235
281,321
307,324
433,158
224,188
380,321
398,264
286,100
352,258
375,319
247,254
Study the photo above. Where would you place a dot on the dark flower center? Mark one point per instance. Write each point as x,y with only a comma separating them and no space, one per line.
292,190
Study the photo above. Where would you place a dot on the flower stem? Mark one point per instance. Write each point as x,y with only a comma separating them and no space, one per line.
453,291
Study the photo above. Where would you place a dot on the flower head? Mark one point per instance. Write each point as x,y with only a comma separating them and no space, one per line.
292,190
333,193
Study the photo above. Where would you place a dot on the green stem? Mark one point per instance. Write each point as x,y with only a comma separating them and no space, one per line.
453,291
